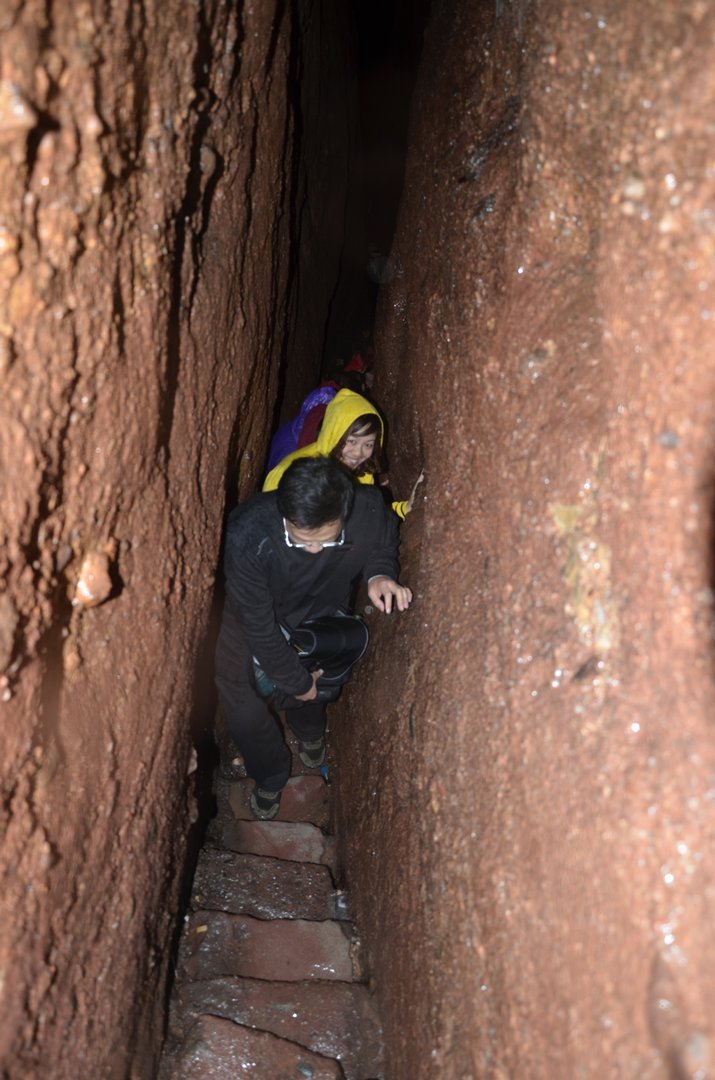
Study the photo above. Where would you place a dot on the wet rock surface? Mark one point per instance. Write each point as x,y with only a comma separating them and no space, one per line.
529,809
262,887
220,1050
165,196
335,1019
291,949
281,840
273,967
304,799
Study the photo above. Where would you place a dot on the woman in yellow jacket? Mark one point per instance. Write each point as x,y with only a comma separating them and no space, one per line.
352,432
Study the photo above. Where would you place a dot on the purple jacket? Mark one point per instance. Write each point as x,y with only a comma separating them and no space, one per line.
285,440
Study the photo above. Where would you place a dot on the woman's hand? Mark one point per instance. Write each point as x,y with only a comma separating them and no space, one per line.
418,481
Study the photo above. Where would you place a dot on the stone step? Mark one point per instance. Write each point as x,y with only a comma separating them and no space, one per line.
218,1049
292,840
338,1020
216,943
305,798
264,887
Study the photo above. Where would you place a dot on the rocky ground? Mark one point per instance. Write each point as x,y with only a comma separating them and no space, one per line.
269,982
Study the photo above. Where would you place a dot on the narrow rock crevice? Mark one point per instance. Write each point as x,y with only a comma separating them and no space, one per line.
200,206
268,974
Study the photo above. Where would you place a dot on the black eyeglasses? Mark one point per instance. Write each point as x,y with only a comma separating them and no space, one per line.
322,544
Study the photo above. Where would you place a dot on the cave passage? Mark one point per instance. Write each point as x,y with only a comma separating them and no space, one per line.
268,972
201,206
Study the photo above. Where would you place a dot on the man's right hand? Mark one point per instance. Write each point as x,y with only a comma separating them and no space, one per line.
310,695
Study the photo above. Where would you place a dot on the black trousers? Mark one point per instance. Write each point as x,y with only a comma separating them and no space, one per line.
254,728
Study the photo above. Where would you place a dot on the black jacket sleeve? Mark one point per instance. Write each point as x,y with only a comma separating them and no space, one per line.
251,602
381,558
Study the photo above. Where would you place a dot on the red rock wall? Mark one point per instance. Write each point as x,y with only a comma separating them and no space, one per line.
153,268
527,780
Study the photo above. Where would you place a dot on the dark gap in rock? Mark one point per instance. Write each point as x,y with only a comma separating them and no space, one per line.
385,45
389,45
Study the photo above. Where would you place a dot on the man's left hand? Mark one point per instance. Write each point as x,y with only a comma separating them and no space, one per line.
381,591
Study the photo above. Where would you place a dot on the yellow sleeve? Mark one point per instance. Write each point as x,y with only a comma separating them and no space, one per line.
400,508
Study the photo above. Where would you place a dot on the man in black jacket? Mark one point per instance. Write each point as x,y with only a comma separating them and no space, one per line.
291,555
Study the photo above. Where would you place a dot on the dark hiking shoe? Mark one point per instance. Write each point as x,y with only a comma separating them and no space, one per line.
264,804
312,754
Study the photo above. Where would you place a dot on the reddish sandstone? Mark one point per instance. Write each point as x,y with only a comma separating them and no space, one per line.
525,764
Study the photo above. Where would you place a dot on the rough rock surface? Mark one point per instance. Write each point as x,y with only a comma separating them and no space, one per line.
258,951
164,227
221,1050
527,782
336,1019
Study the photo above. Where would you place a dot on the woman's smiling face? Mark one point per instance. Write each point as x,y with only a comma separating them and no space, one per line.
358,448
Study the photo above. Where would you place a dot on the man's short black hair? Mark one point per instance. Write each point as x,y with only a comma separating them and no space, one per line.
314,491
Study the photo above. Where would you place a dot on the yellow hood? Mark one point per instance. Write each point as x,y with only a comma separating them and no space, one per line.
342,411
